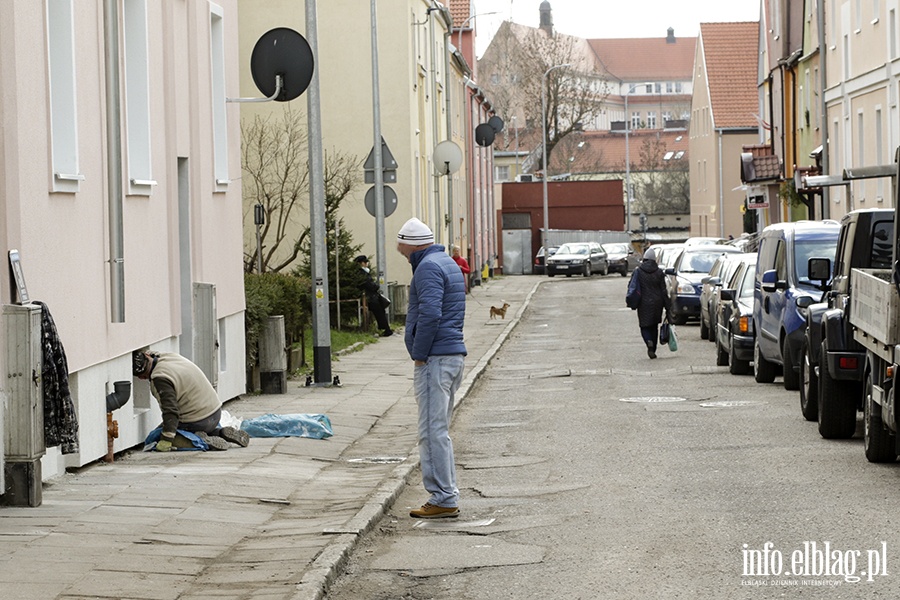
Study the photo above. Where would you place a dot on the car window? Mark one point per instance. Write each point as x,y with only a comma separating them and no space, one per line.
780,262
698,262
882,234
746,289
573,249
806,249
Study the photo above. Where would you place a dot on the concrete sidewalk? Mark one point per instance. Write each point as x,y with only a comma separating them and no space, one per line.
273,521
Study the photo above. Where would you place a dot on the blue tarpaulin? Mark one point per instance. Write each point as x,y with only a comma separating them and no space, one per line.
296,425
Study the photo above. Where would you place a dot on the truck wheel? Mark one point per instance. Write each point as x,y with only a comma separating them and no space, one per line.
809,387
763,370
837,405
880,444
721,355
704,329
735,365
791,379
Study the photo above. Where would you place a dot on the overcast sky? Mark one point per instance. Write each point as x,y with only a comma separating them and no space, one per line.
613,19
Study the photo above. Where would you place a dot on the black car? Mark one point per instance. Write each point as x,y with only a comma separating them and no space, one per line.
582,258
538,268
734,333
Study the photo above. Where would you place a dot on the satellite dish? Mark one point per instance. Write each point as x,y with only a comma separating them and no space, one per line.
484,135
496,124
282,52
447,158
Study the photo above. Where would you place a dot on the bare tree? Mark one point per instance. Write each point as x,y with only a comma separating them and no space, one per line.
515,66
663,181
275,163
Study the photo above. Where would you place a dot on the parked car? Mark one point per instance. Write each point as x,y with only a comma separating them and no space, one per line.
585,258
665,256
704,241
538,268
691,266
783,293
734,333
621,257
832,363
719,275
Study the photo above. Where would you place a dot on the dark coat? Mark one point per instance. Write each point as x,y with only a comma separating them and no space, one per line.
654,295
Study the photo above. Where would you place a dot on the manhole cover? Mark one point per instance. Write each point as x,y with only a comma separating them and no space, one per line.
731,403
659,399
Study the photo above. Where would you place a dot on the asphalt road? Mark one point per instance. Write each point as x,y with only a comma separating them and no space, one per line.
589,471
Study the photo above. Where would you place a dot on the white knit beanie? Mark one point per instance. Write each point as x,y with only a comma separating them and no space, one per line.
415,233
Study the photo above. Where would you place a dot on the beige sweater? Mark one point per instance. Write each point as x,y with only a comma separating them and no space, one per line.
182,390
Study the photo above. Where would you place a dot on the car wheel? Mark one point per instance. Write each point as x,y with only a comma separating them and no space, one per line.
837,405
791,379
809,387
625,272
713,328
587,269
568,274
704,329
880,444
763,370
550,274
679,319
735,365
721,355
605,270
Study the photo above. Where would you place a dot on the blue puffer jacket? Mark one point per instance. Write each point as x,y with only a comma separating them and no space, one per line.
437,305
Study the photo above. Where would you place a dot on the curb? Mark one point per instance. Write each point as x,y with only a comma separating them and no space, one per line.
330,563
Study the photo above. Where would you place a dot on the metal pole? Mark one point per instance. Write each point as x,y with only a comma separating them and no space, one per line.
379,165
318,252
544,237
337,270
114,154
627,168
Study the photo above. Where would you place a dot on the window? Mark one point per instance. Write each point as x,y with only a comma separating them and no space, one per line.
501,173
648,88
635,120
651,119
495,78
669,87
678,87
879,154
137,97
63,109
220,125
657,88
861,154
892,23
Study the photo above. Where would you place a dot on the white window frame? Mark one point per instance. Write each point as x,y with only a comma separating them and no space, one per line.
219,117
66,173
137,98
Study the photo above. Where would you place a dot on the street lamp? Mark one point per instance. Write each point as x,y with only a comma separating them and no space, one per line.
544,148
463,26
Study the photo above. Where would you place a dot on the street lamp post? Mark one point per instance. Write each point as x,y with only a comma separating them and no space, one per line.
463,26
544,148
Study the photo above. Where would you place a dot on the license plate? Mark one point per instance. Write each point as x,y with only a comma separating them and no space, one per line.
562,266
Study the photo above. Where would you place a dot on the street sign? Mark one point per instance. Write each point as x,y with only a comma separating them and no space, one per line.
390,201
389,165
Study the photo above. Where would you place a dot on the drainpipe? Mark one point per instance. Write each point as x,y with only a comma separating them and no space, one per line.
448,20
114,162
721,190
823,116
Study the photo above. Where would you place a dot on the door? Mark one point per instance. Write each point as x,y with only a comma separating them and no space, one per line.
517,252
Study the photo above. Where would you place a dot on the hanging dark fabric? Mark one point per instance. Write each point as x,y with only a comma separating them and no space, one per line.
60,420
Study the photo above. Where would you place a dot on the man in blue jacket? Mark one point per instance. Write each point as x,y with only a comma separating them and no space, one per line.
434,339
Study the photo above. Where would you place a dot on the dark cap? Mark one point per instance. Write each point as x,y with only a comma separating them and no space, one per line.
362,258
139,362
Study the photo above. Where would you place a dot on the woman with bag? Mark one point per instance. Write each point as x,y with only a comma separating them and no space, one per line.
653,298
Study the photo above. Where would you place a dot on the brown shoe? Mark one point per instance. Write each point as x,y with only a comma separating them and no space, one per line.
430,511
235,436
214,442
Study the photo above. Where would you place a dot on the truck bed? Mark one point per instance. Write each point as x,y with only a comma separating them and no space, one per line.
874,309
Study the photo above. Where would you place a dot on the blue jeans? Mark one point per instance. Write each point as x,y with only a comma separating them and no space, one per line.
435,384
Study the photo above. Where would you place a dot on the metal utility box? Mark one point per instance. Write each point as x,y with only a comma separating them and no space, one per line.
23,436
273,357
874,308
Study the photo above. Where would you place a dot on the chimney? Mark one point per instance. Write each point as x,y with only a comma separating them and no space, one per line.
670,38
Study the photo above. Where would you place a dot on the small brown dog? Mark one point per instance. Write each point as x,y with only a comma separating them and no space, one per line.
499,311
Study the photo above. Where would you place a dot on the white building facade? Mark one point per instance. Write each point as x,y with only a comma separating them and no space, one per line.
119,187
